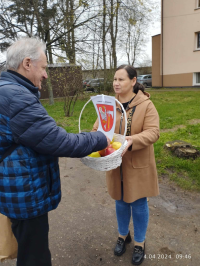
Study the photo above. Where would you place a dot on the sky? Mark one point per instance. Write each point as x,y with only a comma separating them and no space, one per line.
2,57
154,30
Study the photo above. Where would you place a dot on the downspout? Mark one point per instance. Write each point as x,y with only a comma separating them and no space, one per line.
162,41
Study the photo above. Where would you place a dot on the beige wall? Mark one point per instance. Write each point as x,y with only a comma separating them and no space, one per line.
174,8
179,80
180,22
156,61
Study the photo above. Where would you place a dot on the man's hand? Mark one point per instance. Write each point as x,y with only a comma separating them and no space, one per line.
108,141
130,142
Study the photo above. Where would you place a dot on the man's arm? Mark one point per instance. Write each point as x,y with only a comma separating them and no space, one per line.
33,127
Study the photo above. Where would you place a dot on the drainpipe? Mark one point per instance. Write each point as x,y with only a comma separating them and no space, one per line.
162,41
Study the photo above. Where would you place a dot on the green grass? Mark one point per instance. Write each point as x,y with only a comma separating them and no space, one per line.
185,172
174,108
70,124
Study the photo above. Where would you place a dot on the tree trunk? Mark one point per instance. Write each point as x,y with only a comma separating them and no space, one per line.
70,42
114,31
47,40
50,89
72,59
104,41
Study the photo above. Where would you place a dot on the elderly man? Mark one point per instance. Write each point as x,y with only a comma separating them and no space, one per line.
30,144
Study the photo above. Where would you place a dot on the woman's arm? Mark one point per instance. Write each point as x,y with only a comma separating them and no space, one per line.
95,126
150,133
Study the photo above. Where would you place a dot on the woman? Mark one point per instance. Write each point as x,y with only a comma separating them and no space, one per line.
136,179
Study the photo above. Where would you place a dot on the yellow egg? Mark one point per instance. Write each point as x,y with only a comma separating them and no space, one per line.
116,145
94,154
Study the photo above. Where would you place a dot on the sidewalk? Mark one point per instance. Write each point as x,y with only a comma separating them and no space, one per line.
83,229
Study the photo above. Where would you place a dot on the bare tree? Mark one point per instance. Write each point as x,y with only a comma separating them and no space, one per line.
54,22
94,34
135,18
114,17
26,18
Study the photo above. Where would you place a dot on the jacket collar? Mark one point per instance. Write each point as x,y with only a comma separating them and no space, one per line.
19,75
12,77
139,98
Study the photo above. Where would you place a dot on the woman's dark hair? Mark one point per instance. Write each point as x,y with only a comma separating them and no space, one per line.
132,73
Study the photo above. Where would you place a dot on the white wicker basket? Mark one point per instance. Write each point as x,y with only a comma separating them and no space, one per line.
111,161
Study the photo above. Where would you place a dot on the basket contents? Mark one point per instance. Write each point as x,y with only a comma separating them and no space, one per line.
115,145
94,154
101,161
111,157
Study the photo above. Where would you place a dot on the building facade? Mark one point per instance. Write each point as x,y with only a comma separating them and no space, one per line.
176,51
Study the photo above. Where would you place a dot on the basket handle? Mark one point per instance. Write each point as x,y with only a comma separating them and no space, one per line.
79,123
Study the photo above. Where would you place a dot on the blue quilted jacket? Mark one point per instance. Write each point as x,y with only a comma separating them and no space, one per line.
29,177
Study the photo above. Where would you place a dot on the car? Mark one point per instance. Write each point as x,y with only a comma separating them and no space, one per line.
95,84
85,82
145,80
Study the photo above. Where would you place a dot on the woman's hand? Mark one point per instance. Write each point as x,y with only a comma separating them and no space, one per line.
130,142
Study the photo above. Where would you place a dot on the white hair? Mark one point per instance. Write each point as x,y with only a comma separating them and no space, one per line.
24,47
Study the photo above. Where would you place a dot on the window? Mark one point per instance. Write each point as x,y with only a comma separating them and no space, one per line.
198,39
196,79
197,4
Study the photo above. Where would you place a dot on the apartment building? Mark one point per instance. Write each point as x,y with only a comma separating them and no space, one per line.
176,51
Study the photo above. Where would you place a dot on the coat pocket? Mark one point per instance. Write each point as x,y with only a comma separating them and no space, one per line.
141,158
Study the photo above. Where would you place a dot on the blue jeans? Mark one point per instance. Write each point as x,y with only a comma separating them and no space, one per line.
140,214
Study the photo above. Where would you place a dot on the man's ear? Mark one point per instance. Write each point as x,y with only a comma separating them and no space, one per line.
26,63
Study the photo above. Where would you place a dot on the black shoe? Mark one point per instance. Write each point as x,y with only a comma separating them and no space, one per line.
138,255
120,247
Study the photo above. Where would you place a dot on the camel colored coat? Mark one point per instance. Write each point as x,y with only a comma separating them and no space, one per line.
138,165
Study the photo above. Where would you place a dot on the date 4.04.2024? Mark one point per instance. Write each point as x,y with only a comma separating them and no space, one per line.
168,256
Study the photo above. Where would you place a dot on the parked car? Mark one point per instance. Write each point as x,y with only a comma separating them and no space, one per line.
145,80
85,82
95,84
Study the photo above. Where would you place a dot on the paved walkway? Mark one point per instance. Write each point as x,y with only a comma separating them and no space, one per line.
83,229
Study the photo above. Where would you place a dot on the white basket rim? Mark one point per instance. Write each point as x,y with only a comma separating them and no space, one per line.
79,124
104,158
106,163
